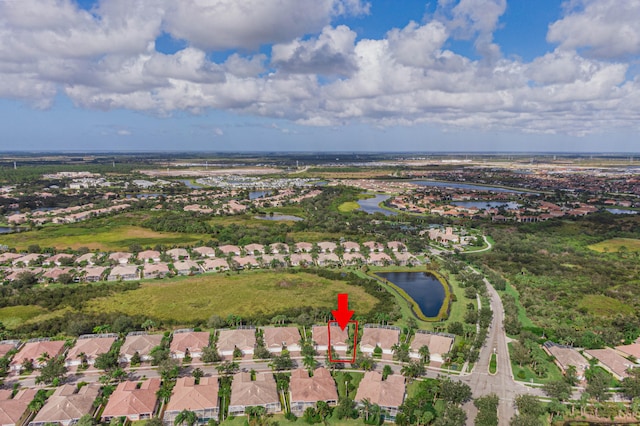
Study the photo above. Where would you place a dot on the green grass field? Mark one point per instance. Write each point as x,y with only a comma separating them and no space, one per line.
604,306
100,235
11,316
493,364
614,245
348,206
191,299
526,374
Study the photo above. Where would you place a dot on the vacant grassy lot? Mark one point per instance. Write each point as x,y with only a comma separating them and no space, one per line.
196,298
604,306
100,235
12,316
348,206
614,245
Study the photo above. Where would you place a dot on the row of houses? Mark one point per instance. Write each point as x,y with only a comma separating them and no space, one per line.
149,263
616,361
187,342
138,400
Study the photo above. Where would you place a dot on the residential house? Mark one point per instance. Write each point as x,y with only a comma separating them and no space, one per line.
67,404
261,392
350,247
252,249
178,254
90,345
133,400
230,250
34,349
27,259
57,259
7,346
149,256
218,265
611,361
269,260
53,275
374,246
629,351
243,339
387,394
327,246
278,338
380,259
93,273
188,342
87,257
186,267
247,262
124,273
328,259
438,345
339,338
155,270
205,251
383,337
396,246
303,247
353,258
305,391
14,411
300,259
120,257
565,356
279,248
139,342
201,398
8,257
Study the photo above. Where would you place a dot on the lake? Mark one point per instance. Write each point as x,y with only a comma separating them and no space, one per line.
278,217
486,204
370,205
5,230
621,211
422,287
189,184
459,185
258,194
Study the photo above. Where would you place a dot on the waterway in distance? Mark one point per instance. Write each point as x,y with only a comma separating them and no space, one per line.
423,287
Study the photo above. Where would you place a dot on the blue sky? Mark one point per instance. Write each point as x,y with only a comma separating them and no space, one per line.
313,75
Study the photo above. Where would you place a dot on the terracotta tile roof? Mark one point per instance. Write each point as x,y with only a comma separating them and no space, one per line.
630,350
245,392
388,393
33,350
187,395
612,360
192,340
142,343
92,347
11,410
320,387
568,356
244,339
274,337
129,400
338,336
385,338
437,344
66,405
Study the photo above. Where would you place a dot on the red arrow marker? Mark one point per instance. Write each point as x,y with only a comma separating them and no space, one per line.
343,314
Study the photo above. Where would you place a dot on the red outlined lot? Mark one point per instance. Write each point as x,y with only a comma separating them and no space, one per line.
353,349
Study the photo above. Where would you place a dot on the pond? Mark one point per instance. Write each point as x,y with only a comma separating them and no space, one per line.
423,287
370,205
278,217
486,204
189,184
458,185
621,211
5,230
258,194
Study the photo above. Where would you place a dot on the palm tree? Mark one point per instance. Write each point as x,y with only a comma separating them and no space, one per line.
425,355
366,408
309,363
186,417
83,359
43,358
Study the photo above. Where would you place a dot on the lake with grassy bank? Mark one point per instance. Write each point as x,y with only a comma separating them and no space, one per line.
423,287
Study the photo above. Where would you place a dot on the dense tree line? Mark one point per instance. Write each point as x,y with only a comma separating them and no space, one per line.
178,222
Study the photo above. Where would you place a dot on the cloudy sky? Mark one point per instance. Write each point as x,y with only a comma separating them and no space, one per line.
310,75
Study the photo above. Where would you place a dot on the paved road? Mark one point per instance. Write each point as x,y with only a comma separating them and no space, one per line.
502,383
